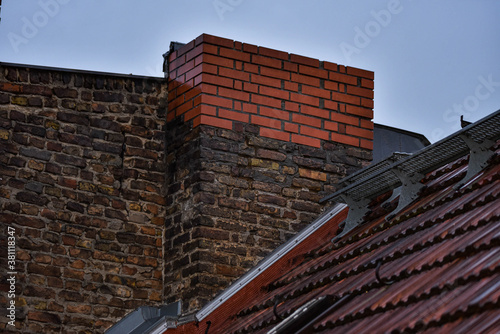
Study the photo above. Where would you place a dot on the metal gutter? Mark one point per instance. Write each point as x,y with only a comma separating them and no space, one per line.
162,325
268,261
148,320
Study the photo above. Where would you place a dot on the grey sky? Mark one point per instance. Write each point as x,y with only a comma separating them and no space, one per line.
433,60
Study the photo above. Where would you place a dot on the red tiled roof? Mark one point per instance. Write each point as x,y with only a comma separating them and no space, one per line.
441,255
434,267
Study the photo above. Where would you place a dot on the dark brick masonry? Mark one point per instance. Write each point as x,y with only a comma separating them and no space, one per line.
82,178
235,196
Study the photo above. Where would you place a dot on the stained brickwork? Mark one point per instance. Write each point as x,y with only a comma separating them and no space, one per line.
234,197
260,136
82,178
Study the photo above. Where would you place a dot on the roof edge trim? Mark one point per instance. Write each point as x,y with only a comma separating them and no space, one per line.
485,128
268,261
148,319
80,71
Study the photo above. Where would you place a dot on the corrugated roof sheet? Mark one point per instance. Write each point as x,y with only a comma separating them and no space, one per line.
438,265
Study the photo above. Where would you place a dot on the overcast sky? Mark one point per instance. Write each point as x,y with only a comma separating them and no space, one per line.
433,60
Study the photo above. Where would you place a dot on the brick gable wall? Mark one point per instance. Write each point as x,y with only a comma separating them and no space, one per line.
82,179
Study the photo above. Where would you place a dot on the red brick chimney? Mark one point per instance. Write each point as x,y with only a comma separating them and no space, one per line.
255,137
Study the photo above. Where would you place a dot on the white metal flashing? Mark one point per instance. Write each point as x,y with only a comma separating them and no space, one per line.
268,261
162,326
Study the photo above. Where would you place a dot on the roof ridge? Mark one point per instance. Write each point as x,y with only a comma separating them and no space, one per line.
412,213
409,171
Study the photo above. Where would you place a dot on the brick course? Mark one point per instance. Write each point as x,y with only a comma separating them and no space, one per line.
269,80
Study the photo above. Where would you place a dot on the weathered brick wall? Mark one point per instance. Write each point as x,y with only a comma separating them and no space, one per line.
82,168
260,136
